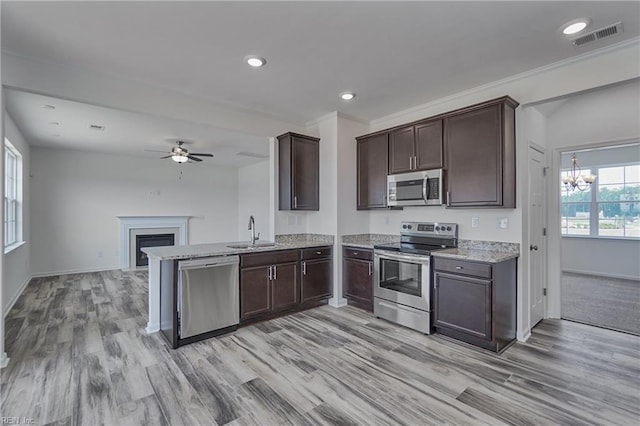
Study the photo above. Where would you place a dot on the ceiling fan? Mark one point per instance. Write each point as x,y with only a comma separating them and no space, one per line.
180,154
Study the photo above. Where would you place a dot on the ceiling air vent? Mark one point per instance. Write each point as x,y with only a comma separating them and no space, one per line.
96,127
609,31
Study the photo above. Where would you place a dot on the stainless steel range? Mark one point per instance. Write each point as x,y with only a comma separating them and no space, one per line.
402,273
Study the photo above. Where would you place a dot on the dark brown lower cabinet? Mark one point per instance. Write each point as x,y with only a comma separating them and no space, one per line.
255,292
284,286
475,301
276,283
357,277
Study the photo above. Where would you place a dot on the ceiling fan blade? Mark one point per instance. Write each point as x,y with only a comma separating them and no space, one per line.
191,157
166,156
201,155
155,150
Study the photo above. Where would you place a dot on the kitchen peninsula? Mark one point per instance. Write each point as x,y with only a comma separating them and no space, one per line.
294,273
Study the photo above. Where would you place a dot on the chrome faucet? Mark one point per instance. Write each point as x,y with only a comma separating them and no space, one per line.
252,228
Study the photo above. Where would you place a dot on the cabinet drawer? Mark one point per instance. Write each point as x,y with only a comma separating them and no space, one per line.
268,258
315,253
462,267
357,253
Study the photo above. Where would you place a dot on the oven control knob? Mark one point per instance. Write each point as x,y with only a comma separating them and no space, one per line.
448,228
404,226
437,228
409,226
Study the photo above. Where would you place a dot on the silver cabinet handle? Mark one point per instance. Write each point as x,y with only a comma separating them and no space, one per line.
370,267
459,267
318,252
270,273
304,268
448,200
295,202
532,247
415,161
410,163
275,272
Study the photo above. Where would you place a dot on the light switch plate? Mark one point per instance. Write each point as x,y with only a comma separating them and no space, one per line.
503,223
475,222
291,220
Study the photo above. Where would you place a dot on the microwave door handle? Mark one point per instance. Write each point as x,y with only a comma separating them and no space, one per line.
425,189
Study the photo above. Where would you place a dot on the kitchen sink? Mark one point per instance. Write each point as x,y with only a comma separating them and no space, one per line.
251,246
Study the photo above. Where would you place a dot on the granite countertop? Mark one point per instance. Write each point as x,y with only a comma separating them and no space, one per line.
367,241
222,249
488,256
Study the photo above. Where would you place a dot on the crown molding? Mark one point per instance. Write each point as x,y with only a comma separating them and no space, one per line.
379,123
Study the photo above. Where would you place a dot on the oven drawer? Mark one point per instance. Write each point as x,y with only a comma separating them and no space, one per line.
357,253
462,267
403,315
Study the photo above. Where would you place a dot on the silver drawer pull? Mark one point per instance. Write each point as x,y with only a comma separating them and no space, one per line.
459,267
355,253
318,252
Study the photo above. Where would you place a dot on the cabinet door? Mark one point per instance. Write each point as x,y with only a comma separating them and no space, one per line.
463,304
317,280
429,145
306,174
255,292
358,282
284,286
473,146
401,150
372,167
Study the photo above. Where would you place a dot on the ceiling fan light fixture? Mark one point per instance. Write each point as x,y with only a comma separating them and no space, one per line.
179,158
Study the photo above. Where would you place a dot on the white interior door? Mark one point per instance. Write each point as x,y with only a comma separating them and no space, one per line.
537,240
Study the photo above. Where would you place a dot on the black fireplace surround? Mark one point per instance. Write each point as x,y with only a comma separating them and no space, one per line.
153,240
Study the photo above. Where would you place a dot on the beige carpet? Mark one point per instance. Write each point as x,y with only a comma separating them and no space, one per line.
604,302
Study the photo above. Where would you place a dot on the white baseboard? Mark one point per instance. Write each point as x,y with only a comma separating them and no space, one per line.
4,360
602,274
73,271
13,300
152,328
337,302
523,336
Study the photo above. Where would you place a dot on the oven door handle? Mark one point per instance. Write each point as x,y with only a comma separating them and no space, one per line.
423,260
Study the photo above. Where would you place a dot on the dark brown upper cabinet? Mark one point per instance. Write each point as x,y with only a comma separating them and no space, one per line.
299,172
480,158
416,147
372,168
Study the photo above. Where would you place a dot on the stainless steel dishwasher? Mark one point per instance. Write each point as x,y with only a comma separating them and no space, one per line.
208,296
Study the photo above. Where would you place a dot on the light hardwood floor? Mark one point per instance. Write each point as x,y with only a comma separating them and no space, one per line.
79,355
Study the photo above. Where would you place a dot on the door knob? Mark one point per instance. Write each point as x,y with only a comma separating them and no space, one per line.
532,247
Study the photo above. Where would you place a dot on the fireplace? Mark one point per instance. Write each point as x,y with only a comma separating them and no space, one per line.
153,240
131,227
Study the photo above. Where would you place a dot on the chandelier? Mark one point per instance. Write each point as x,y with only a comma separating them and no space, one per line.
575,180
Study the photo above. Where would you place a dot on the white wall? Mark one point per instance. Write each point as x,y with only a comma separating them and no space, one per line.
598,117
17,271
253,199
77,196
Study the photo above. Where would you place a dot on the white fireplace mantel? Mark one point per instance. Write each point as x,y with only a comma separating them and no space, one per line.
127,223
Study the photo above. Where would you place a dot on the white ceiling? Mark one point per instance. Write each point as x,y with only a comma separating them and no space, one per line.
393,55
124,132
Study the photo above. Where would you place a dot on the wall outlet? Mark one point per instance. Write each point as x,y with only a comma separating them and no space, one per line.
503,223
475,222
299,220
386,220
99,255
291,220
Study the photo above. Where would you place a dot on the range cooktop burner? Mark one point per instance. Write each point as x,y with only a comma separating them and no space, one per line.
410,248
423,238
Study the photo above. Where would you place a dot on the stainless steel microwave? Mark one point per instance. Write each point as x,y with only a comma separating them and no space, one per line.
415,188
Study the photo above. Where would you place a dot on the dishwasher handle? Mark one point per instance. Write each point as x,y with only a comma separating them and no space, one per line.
207,262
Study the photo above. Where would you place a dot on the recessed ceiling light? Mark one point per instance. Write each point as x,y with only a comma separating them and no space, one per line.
255,61
575,26
347,96
47,106
54,123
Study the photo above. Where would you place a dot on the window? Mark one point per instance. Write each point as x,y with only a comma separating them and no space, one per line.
610,208
12,195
